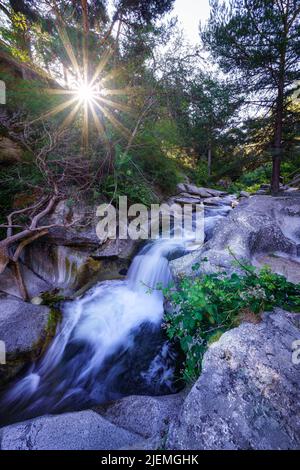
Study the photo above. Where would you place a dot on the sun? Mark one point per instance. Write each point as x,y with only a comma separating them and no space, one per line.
86,93
91,97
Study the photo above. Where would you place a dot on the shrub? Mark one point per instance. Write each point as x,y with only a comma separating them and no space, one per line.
206,307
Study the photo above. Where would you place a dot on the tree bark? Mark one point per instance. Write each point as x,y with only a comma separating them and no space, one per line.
277,148
209,160
279,116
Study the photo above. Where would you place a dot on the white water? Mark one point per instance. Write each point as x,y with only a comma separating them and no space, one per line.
109,344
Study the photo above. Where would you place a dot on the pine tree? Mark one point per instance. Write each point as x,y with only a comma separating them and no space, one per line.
257,42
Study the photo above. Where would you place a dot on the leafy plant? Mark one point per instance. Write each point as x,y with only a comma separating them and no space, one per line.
207,306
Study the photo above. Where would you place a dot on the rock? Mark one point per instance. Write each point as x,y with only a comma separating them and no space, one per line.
84,430
187,200
248,395
215,192
217,201
202,192
123,249
36,301
295,181
69,258
70,268
190,190
10,151
145,415
261,224
188,195
35,284
281,264
181,187
244,194
290,190
182,266
261,192
82,234
24,328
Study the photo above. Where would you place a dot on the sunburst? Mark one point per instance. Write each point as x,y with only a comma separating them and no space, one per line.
90,97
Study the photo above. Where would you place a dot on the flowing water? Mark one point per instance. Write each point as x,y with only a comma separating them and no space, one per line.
110,343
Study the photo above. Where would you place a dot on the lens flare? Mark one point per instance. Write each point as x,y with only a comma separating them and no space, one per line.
86,93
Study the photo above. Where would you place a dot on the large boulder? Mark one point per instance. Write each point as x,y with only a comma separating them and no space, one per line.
261,224
35,284
248,394
147,416
76,225
71,257
84,430
136,422
25,330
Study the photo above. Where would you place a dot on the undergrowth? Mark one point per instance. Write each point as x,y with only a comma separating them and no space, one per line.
207,306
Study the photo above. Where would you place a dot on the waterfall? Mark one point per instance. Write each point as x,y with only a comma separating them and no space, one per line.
109,345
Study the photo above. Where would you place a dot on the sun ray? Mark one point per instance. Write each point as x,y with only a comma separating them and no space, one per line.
57,91
85,128
121,91
87,91
99,126
58,109
68,47
103,62
112,75
70,117
115,105
124,131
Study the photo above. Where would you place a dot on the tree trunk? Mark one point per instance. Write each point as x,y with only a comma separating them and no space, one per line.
209,160
277,147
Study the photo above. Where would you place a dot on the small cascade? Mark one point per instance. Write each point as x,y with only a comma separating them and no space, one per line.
110,343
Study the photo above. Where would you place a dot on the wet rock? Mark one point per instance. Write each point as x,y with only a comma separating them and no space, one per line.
84,430
24,329
248,395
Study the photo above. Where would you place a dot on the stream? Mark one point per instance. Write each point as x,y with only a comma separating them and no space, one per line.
110,343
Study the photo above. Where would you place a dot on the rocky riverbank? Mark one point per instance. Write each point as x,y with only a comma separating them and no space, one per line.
247,396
